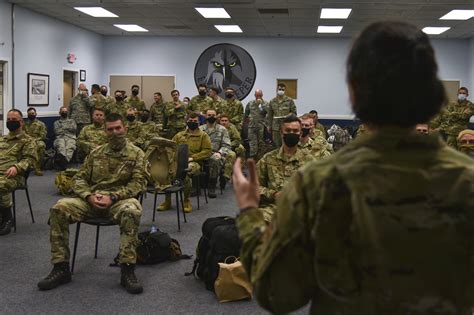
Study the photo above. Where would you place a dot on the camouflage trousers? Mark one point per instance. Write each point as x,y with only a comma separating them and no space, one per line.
194,168
255,135
7,185
276,136
230,160
65,146
126,213
215,167
40,148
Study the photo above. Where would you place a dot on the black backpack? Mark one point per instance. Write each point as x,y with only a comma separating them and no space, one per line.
219,240
154,248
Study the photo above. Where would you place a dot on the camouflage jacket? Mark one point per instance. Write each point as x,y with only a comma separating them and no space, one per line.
65,127
256,113
158,114
92,136
274,169
122,173
137,103
454,118
235,110
318,149
200,104
176,117
278,109
80,109
321,128
117,108
219,138
384,226
98,101
135,133
199,145
35,129
234,136
17,150
218,104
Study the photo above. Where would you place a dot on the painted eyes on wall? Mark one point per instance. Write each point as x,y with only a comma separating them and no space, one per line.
218,65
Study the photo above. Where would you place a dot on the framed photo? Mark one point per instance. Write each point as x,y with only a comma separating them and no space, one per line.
38,89
82,75
291,87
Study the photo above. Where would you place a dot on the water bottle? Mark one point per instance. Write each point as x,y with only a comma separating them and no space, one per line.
153,229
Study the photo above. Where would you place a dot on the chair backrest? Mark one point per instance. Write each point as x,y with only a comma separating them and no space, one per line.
182,157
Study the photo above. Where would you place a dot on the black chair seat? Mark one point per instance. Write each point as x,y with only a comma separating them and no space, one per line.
170,190
99,221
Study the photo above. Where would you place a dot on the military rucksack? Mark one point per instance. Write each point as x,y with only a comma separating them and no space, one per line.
64,181
161,154
219,240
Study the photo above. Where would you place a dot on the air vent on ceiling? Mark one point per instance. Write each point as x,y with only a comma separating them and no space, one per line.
273,11
177,27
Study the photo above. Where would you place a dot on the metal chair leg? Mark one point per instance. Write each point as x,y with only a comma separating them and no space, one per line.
29,204
198,189
154,206
14,211
76,240
177,211
182,205
96,241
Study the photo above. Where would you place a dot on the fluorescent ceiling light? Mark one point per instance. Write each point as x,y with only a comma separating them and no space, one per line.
96,11
131,27
213,13
228,28
458,15
335,13
329,29
435,30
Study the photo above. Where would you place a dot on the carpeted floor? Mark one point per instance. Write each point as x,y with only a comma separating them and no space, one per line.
95,289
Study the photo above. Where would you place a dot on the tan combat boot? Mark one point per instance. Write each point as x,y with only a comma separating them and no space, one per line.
166,205
188,207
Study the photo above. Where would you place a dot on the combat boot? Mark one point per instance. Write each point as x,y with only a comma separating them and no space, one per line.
7,221
59,275
188,207
129,280
166,205
211,191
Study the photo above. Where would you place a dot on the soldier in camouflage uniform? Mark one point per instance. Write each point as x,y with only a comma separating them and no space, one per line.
466,142
17,156
455,117
255,113
97,100
158,112
119,106
199,148
200,103
108,99
176,114
220,147
135,101
278,108
149,126
338,137
65,142
37,130
276,167
317,124
232,108
80,108
135,132
318,147
217,101
384,225
237,149
92,136
107,186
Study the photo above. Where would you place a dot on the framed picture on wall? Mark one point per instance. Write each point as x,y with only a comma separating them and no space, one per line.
82,75
291,87
38,89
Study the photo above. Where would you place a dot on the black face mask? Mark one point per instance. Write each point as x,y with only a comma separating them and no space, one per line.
13,125
229,95
119,98
131,118
211,119
291,139
145,118
305,131
202,93
192,125
103,92
63,114
135,92
31,117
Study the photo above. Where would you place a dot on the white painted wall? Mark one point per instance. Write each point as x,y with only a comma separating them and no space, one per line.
318,64
41,46
6,55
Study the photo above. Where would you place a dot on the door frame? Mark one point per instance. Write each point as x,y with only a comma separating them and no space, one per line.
7,90
76,81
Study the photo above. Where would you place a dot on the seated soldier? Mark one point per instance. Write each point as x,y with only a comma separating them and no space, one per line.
149,126
199,147
422,129
37,130
466,142
318,147
338,137
92,136
65,143
17,155
238,149
107,185
135,131
275,168
220,147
